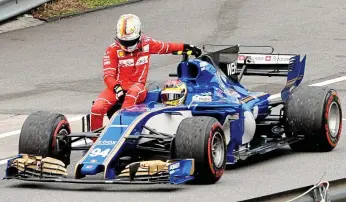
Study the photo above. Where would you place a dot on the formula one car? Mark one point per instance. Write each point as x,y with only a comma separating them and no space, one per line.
220,123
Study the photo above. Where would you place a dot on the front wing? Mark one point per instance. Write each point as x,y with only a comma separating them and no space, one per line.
35,168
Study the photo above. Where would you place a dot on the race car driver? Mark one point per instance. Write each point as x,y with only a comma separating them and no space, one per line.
126,65
174,92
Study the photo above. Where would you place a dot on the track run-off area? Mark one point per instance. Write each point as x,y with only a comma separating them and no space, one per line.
58,67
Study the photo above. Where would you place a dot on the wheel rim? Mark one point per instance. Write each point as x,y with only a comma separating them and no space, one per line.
63,132
334,119
218,149
60,138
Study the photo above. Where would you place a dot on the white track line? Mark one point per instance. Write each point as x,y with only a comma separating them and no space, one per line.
3,161
278,95
16,132
330,81
78,143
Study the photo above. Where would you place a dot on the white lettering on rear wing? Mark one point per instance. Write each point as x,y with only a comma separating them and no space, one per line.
264,59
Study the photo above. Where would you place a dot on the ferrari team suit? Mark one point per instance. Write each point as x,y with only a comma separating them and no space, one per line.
129,71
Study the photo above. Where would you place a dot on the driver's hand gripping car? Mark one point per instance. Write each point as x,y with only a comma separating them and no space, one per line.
126,65
174,92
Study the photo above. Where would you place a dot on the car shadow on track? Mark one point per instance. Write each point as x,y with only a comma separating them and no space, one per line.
93,188
257,159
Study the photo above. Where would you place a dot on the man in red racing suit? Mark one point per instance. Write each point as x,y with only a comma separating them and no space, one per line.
128,71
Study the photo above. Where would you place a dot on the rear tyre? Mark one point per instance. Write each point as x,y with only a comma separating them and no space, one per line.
202,139
315,113
46,134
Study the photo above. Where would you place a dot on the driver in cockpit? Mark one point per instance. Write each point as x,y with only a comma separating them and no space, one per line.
174,92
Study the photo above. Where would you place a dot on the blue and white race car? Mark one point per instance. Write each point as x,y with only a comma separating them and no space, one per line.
221,122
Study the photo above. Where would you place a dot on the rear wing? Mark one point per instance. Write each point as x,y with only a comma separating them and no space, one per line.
234,62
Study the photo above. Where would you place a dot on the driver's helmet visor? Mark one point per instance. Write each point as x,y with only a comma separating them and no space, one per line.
128,43
170,95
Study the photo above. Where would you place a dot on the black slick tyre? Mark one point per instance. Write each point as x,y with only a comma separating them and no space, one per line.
202,138
314,113
45,134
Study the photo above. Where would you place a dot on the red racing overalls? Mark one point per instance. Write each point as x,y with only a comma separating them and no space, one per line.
130,70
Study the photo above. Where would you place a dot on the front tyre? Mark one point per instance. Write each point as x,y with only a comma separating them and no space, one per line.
46,134
202,138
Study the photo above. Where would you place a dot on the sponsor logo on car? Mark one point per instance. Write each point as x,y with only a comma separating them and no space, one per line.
231,69
265,59
202,98
174,168
284,59
107,142
206,94
241,57
259,58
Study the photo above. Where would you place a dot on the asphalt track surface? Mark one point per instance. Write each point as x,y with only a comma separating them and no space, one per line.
57,67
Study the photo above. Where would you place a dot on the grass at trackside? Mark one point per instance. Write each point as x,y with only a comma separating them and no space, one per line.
63,7
98,3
